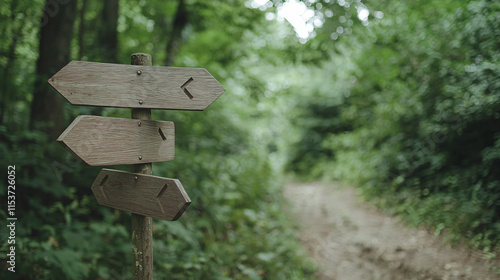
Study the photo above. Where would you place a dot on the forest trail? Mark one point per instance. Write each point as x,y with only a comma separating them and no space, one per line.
350,241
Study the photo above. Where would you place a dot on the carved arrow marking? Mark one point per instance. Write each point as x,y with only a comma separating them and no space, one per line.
101,187
186,91
158,198
141,194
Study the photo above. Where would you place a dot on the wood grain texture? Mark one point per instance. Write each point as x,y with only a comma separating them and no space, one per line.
136,86
141,194
142,226
108,141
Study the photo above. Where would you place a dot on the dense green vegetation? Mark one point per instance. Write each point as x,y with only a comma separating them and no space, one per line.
401,99
236,226
417,122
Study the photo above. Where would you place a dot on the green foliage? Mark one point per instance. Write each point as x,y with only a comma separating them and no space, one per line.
405,106
425,114
235,227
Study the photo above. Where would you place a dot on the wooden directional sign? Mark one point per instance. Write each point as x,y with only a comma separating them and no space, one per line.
146,195
134,86
109,141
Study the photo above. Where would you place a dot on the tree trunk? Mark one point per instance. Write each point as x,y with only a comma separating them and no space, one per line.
180,22
56,34
7,85
108,33
81,30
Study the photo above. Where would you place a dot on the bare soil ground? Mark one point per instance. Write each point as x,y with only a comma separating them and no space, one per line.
350,241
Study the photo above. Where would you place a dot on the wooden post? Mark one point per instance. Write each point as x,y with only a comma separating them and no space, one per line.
141,87
142,227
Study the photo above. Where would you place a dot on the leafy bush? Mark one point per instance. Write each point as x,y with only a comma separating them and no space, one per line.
234,229
425,114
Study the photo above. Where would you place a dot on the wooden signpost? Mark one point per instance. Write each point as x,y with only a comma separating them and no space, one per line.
145,195
109,141
139,141
134,86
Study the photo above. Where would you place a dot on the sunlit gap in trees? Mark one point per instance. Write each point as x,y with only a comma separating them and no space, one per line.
306,16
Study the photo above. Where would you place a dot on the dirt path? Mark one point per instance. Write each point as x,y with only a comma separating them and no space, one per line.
351,241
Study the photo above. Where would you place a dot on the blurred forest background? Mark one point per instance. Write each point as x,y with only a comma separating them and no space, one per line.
398,98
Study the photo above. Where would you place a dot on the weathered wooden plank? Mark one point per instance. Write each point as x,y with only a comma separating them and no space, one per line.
141,194
109,141
136,86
